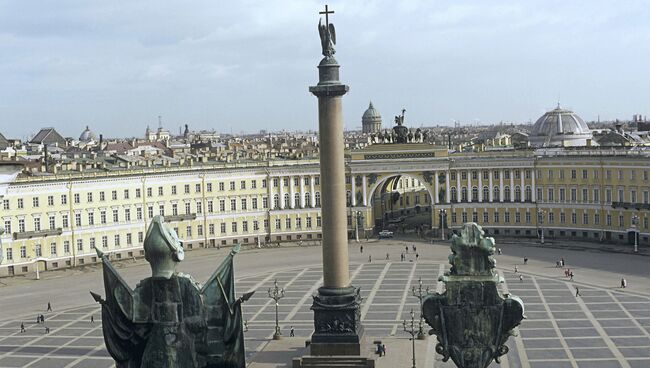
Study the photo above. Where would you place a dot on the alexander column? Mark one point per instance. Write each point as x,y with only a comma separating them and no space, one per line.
336,307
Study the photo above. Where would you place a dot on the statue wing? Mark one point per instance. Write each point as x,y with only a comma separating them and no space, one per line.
225,330
332,33
123,338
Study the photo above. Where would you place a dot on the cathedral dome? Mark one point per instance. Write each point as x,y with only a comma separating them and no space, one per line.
560,127
371,113
87,135
371,120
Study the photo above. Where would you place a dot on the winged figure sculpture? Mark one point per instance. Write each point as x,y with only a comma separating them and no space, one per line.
327,38
170,320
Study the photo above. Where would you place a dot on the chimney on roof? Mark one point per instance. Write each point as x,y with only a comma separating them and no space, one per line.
101,140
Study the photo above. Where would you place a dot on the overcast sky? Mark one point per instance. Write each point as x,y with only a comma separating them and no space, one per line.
246,65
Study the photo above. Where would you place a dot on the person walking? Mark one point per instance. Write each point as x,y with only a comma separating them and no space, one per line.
47,330
383,349
516,269
525,260
577,291
292,332
562,261
521,278
387,256
92,319
417,255
49,307
407,249
369,258
38,319
571,275
361,249
623,283
22,327
499,251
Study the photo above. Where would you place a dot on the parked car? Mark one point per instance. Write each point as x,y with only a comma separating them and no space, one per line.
384,234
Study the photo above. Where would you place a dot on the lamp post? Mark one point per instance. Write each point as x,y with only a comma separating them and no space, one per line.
443,212
420,293
412,330
540,216
276,293
635,221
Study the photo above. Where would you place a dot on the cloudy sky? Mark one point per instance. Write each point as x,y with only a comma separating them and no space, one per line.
246,65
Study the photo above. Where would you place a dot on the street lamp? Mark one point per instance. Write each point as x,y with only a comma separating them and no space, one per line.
635,221
420,294
540,216
412,330
276,293
443,212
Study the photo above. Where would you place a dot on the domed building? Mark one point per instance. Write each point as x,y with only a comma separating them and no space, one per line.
87,135
371,120
560,128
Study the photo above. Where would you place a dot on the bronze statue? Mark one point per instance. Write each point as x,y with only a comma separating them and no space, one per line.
327,38
170,320
471,319
400,132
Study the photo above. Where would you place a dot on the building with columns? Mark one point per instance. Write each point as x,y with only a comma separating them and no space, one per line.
585,193
371,120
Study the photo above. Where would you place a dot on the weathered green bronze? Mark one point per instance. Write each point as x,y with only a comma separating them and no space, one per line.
471,319
169,320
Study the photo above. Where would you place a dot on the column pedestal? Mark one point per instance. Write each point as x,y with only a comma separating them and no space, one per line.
337,317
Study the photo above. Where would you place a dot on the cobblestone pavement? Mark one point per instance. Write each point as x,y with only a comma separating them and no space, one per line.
604,327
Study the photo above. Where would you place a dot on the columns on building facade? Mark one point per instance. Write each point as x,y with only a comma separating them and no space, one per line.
491,191
312,192
532,187
512,186
469,186
459,192
480,186
364,182
523,185
292,193
281,183
353,193
501,186
447,191
436,188
302,191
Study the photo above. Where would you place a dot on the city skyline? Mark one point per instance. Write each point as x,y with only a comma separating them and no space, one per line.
247,67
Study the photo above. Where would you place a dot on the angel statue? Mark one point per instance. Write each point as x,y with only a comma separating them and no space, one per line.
170,320
327,38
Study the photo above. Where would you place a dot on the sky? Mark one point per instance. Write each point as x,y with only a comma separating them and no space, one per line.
243,66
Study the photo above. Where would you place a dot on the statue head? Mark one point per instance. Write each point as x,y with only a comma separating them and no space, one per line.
162,249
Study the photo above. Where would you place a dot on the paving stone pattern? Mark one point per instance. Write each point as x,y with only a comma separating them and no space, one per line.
602,328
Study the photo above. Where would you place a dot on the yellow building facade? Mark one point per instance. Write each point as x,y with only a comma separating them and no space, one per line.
56,221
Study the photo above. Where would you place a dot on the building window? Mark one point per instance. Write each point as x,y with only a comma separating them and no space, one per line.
296,200
149,192
529,194
138,213
463,216
233,204
50,200
80,245
278,224
210,207
92,243
485,217
64,199
117,240
585,218
244,204
265,202
66,247
91,218
253,184
161,210
8,226
104,242
254,203
138,193
244,226
127,214
150,212
517,217
35,202
199,230
574,219
114,195
562,217
256,225
506,217
551,217
211,229
188,231
77,219
317,180
287,223
140,236
89,197
199,207
197,188
264,183
596,219
496,217
126,194
232,185
319,221
129,239
506,193
10,254
222,228
527,217
116,216
52,222
188,208
186,189
208,187
495,194
486,193
317,199
64,221
161,191
23,251
454,195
